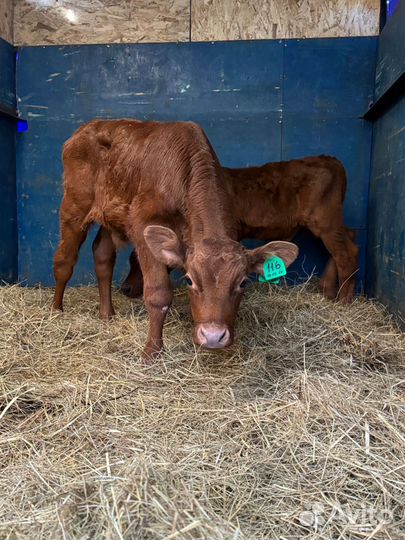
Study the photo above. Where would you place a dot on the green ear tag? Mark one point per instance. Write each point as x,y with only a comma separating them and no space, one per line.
262,280
273,269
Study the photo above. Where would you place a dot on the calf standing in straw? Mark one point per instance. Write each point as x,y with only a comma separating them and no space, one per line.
158,186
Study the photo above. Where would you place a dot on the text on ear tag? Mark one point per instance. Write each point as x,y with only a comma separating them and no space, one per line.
274,268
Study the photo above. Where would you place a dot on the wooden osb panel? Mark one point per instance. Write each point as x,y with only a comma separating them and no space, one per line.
47,22
6,20
266,19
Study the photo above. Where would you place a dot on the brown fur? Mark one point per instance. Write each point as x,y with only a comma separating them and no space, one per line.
276,200
158,186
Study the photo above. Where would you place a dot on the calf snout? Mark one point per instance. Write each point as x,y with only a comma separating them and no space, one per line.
212,336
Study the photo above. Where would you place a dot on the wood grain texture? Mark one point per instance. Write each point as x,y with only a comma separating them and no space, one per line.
281,19
6,20
48,22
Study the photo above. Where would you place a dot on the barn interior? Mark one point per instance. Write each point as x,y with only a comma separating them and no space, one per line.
326,82
268,81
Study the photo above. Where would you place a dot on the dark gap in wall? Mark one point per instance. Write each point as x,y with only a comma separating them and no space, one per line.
383,13
367,246
392,95
7,111
8,213
189,24
282,104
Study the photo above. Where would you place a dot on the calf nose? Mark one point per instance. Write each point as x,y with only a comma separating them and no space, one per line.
213,336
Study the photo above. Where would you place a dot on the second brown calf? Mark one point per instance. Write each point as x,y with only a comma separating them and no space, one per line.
275,201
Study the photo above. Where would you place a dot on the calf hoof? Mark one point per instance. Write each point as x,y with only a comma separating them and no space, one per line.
328,291
345,300
150,353
107,315
345,296
329,294
56,307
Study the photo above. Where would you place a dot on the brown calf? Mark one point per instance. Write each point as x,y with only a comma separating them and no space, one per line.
158,186
275,200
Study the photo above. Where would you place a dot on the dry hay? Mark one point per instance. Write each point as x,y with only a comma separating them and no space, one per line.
297,432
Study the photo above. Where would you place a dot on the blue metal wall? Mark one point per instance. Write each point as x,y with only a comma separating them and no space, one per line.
391,51
386,246
258,101
8,214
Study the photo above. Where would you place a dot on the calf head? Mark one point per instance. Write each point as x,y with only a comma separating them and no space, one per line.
216,274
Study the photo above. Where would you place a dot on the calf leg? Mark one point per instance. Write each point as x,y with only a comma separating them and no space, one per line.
328,281
132,286
72,237
345,253
104,254
158,296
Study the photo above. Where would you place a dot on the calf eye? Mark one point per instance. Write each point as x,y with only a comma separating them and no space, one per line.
188,280
243,283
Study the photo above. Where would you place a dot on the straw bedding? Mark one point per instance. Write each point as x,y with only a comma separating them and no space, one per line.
295,432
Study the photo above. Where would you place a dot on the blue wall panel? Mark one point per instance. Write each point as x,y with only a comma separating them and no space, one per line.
329,77
164,81
7,74
8,215
386,252
240,92
391,51
386,240
236,140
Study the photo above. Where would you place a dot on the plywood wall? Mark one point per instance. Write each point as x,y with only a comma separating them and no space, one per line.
262,19
40,22
100,21
6,20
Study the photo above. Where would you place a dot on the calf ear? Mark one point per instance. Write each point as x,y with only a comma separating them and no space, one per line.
164,245
287,251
